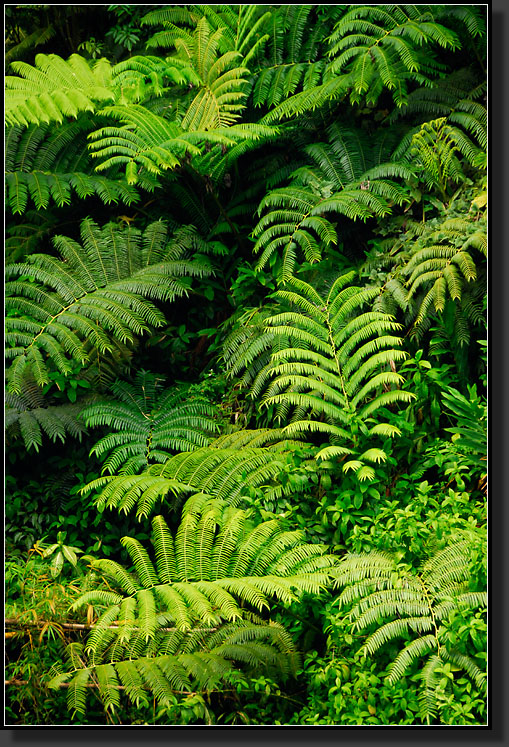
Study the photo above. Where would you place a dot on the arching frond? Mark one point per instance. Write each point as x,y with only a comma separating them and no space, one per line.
198,662
348,179
387,47
97,293
55,88
225,473
29,415
436,271
321,360
388,602
147,423
167,620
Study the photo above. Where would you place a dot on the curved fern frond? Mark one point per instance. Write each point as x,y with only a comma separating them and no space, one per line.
227,474
329,360
438,271
146,423
388,48
29,415
194,604
55,88
348,179
388,602
97,293
199,662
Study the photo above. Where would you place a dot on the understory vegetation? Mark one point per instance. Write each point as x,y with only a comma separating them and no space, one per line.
246,365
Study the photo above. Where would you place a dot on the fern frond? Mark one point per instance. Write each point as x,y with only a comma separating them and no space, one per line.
390,44
149,421
135,619
405,604
55,88
85,295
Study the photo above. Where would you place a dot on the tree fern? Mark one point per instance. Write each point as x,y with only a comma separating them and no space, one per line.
243,27
26,237
437,271
348,178
226,473
145,140
29,41
194,662
219,99
387,602
283,61
457,97
314,97
331,366
210,568
146,423
435,148
194,615
390,47
46,166
55,88
291,56
96,294
434,272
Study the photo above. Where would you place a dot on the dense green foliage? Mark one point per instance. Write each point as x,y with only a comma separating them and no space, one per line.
246,365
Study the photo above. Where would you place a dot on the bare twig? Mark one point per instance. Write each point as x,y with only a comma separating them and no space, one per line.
14,622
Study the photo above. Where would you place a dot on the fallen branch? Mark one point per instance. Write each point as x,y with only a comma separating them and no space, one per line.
19,625
66,684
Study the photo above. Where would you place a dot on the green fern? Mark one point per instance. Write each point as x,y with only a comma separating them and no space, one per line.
271,42
433,273
435,148
220,96
185,662
216,567
145,423
28,415
26,237
243,28
291,56
331,368
54,165
216,547
348,178
455,97
144,79
98,293
42,94
148,144
29,41
61,188
437,271
315,97
55,88
390,47
193,614
145,141
389,602
224,472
